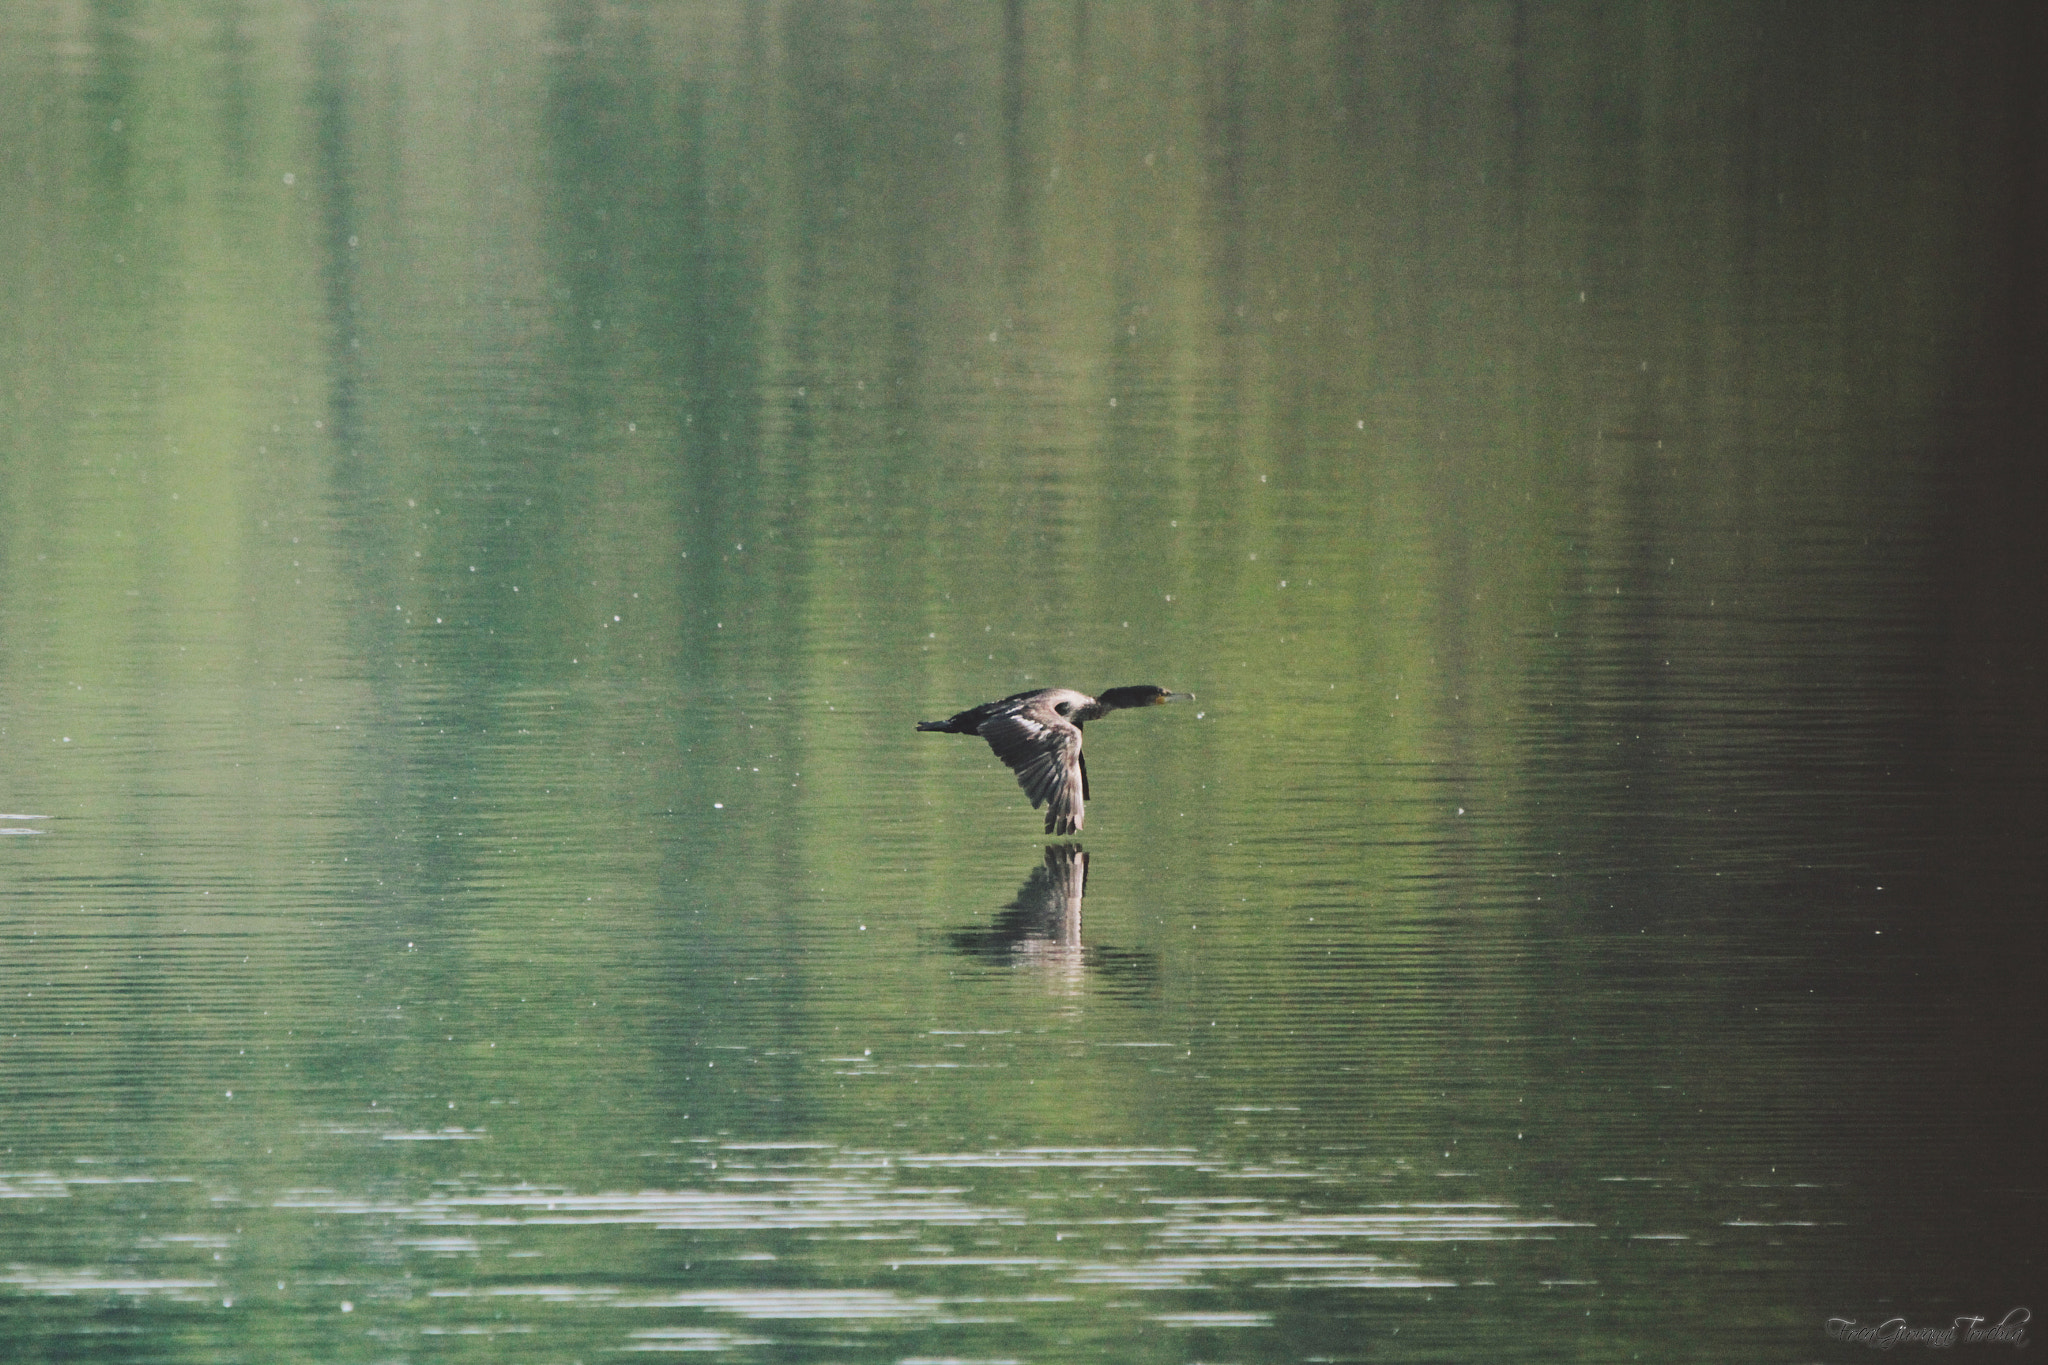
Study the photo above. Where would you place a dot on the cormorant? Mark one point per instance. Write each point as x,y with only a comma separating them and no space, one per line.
1039,735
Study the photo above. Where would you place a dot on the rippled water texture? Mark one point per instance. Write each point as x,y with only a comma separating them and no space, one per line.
487,493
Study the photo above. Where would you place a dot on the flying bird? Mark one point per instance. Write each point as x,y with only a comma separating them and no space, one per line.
1039,735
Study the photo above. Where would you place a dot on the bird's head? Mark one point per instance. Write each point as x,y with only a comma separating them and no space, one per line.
1144,694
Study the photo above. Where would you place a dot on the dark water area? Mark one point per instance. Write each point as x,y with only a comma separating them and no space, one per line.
487,493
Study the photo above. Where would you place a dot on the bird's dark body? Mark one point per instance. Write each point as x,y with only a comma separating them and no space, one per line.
1038,734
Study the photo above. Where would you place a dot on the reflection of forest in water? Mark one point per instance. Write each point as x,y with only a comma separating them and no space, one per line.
1042,929
489,490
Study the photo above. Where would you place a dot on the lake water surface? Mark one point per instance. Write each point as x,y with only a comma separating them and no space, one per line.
486,492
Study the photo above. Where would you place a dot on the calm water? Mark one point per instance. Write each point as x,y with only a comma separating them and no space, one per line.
486,492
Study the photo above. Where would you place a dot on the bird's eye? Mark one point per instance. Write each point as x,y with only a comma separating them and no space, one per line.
1064,707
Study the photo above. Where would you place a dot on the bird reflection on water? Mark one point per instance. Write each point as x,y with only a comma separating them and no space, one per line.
1041,929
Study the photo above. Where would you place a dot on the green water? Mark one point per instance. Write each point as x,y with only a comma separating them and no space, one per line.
487,491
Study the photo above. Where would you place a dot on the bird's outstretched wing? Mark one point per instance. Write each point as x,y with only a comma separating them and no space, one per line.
1044,750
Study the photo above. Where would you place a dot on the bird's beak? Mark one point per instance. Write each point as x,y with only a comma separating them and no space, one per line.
1174,696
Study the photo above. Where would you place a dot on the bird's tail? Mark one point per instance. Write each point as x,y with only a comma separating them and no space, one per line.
966,722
